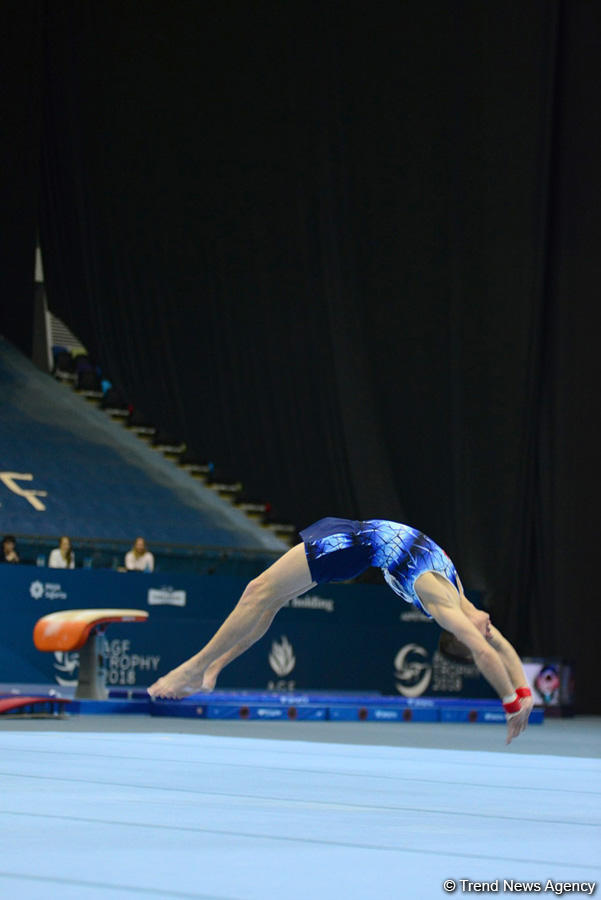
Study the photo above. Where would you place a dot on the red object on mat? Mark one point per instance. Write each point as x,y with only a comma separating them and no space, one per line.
7,704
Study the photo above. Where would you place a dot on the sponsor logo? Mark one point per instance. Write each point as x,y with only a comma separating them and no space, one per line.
120,664
65,665
282,684
166,596
47,590
282,659
413,615
413,670
312,601
494,717
449,676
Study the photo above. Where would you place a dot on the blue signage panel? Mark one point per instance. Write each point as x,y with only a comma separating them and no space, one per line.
338,637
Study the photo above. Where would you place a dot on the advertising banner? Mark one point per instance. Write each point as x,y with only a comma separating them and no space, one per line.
339,637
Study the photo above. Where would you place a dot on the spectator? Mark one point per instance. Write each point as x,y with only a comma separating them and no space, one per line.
62,557
139,559
9,550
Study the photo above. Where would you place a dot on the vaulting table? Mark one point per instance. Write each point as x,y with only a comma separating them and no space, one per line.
82,629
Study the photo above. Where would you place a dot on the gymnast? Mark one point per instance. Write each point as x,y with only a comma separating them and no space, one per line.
416,569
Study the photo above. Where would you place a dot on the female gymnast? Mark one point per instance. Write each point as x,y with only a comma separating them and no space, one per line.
416,569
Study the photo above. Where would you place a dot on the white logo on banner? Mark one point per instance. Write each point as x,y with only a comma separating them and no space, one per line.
312,601
412,615
412,670
121,664
269,713
282,659
49,591
166,596
66,663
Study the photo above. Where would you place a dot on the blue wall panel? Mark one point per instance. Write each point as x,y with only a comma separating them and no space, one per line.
340,637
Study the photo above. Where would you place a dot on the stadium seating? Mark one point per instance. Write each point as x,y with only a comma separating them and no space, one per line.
68,468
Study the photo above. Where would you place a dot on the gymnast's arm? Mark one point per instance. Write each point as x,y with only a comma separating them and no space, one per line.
512,663
487,659
508,655
511,660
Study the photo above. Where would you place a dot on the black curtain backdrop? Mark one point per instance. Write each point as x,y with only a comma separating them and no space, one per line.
350,253
20,126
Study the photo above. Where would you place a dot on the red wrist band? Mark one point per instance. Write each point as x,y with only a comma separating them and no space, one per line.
523,692
511,704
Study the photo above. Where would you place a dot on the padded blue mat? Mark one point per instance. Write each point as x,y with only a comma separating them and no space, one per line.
116,815
306,706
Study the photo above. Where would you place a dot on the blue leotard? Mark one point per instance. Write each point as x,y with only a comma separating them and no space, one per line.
339,549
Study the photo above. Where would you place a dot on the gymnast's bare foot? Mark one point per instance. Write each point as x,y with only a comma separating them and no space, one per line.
209,679
186,679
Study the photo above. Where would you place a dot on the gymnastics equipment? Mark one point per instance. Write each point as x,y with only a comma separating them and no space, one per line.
82,629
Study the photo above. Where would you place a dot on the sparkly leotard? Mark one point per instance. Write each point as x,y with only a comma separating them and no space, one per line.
339,549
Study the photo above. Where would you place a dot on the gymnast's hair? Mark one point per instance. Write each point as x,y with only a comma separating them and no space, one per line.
453,649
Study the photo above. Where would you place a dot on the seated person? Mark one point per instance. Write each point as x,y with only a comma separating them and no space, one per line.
139,559
9,550
62,557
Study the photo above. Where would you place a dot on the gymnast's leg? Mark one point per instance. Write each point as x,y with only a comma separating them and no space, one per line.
209,679
288,577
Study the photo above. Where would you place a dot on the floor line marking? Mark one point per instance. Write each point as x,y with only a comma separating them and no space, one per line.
349,774
103,885
291,800
304,840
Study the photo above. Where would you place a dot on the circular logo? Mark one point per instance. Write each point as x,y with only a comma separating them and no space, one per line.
36,589
413,671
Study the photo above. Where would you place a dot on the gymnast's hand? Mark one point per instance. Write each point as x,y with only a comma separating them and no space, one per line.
518,722
526,703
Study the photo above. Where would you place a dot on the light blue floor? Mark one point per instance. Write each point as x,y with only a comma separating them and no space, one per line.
190,815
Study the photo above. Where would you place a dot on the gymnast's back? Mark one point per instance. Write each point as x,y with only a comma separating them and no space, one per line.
340,549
